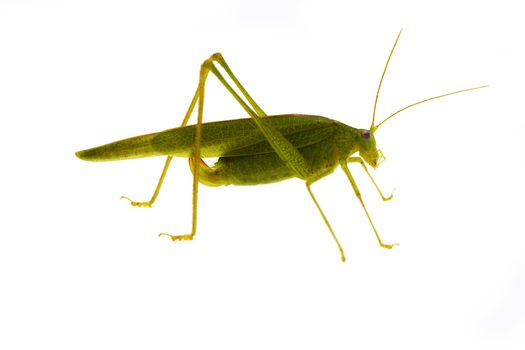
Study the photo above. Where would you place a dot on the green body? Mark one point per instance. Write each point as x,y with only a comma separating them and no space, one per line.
259,150
245,155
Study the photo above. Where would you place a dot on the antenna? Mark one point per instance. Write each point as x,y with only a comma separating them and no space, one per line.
426,100
373,128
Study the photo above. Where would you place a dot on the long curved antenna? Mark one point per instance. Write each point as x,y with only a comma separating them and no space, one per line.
372,128
426,100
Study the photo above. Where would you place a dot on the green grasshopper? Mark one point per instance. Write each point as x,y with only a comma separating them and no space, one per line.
261,149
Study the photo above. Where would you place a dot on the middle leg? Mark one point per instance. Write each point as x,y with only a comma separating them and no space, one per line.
309,182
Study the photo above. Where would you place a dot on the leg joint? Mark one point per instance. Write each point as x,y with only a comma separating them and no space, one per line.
206,65
209,176
217,56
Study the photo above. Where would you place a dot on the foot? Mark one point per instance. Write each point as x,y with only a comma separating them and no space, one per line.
387,246
389,197
138,204
179,237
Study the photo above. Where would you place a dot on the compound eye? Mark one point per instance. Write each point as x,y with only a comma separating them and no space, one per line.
366,135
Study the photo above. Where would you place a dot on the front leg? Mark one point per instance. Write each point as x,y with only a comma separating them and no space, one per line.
362,162
358,195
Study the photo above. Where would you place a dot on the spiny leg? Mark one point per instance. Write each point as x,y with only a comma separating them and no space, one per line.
286,151
362,162
217,57
199,97
149,203
206,67
258,112
281,145
358,195
308,184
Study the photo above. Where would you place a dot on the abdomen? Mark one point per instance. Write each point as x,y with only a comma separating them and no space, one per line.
269,168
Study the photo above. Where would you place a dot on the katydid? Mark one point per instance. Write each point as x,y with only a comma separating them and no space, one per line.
261,149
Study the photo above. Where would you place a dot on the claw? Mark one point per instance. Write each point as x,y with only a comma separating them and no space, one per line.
137,204
385,199
388,246
178,238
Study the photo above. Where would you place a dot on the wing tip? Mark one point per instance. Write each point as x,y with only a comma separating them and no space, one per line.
89,155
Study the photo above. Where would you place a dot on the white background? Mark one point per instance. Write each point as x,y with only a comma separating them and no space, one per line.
80,269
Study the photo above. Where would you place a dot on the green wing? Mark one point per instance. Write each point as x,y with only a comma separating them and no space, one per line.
229,138
240,137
